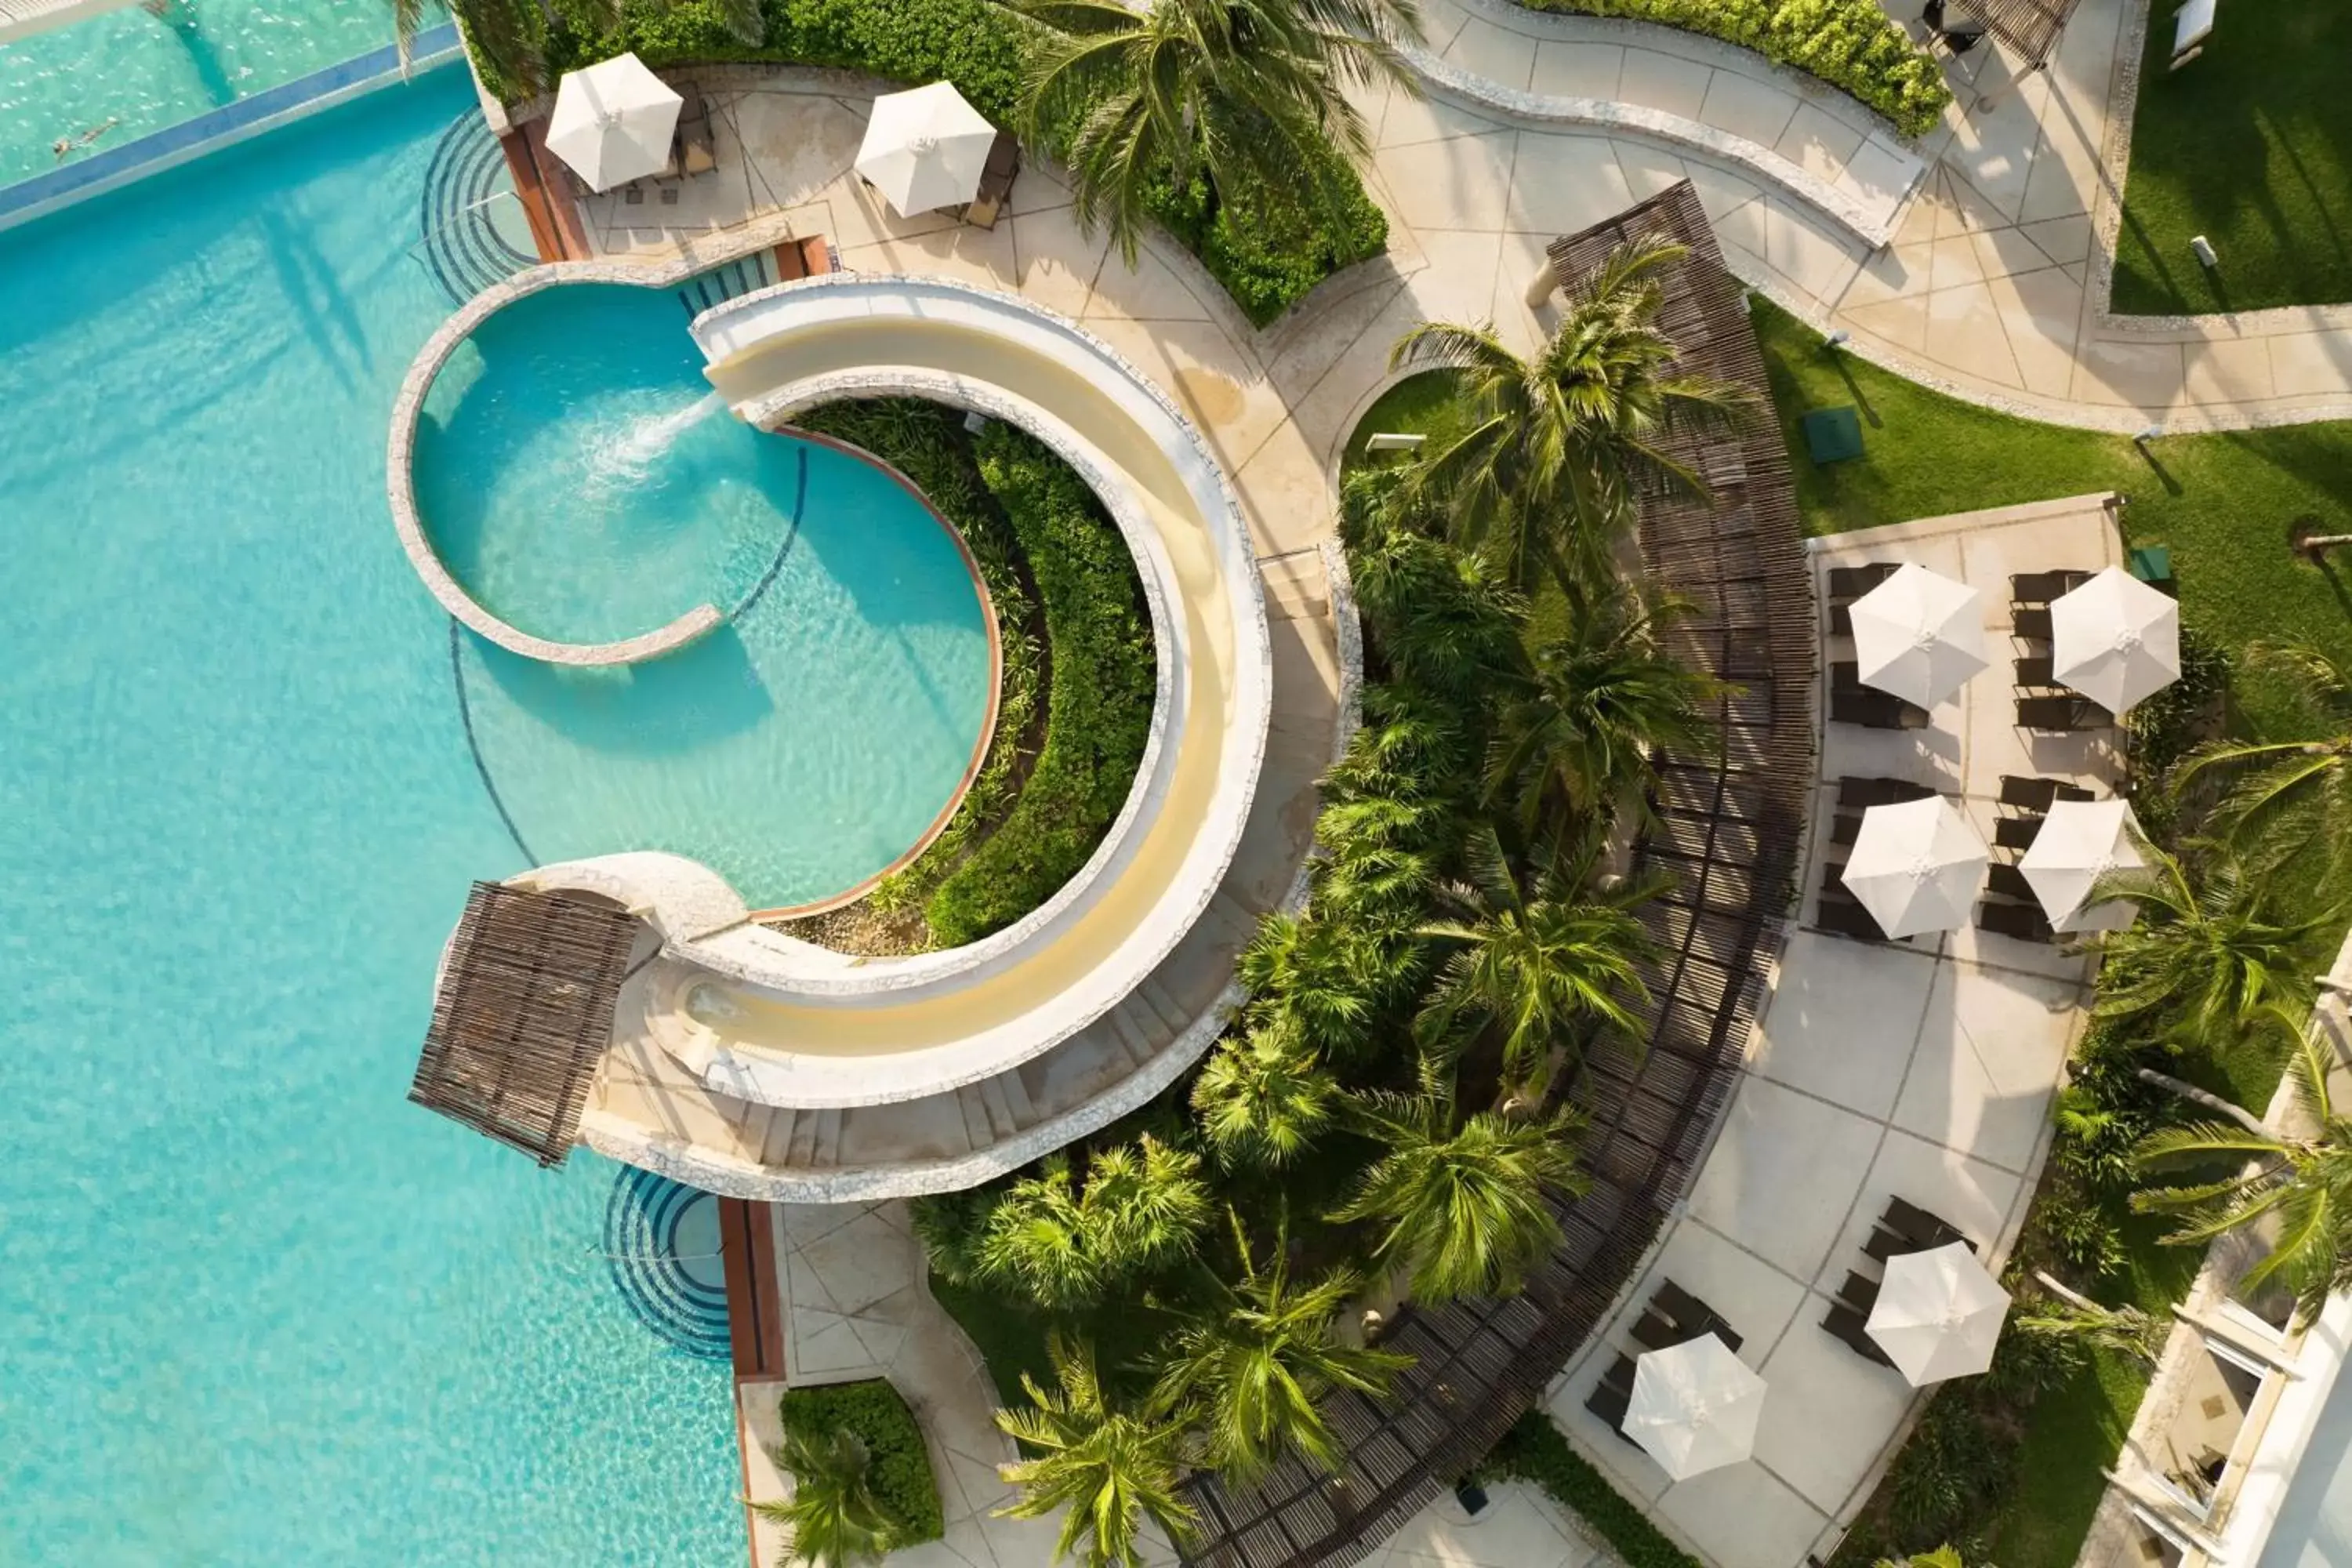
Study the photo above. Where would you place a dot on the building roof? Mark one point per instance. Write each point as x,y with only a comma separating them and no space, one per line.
523,1015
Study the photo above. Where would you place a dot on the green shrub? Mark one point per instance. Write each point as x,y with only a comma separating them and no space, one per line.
900,1467
1533,1451
1850,44
1261,247
1099,699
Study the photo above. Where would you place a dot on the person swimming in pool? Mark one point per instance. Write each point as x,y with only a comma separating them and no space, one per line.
67,146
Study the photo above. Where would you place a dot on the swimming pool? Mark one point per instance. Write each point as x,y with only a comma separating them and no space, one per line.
578,475
254,1307
144,72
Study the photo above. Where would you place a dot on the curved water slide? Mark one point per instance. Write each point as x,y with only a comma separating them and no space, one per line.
784,1041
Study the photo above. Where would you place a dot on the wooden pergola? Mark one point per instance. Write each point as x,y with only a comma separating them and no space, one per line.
523,1015
2028,27
1727,825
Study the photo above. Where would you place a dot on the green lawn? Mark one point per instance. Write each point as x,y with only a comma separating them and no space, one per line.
2250,145
2226,504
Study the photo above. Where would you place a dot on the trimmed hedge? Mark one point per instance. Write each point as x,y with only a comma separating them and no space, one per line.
1533,1451
1263,247
1099,693
900,1472
1850,44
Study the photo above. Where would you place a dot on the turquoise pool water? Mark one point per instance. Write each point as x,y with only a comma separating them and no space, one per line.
146,73
255,1309
578,475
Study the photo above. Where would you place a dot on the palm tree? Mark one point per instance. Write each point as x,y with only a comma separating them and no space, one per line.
1315,977
2074,1317
1942,1557
1255,1366
1247,92
1463,1210
834,1518
1443,620
1578,734
1112,1469
2288,785
2208,949
1142,1207
509,34
2303,1178
1524,963
1262,1097
1549,454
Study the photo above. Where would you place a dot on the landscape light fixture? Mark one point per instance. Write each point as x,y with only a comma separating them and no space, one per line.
2149,434
2203,250
1836,340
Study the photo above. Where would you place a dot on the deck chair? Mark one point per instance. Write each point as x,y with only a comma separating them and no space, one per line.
1859,1292
696,152
1860,794
2019,922
1875,711
2016,833
2041,587
1923,1228
2009,881
995,181
2032,624
1848,1326
2062,715
1851,583
1846,917
2034,669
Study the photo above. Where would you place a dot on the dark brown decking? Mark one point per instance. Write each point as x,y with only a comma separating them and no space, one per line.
544,187
523,1015
1730,828
755,1308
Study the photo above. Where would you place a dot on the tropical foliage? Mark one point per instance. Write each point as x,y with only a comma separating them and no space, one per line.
1064,1243
835,1520
899,1467
1111,1468
2298,790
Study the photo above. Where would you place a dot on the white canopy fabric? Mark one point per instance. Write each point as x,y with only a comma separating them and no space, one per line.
1919,636
925,147
2079,842
1938,1314
1695,1406
2115,640
613,122
1916,867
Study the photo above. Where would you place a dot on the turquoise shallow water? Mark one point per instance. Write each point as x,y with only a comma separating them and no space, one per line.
579,477
255,1310
146,73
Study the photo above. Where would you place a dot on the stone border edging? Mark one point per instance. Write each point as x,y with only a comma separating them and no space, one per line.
1612,118
400,479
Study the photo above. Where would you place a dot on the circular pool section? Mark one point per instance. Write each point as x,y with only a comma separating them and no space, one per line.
578,478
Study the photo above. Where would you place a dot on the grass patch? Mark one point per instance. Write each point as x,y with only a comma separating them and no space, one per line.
1420,404
2226,504
900,1467
1011,1336
2250,146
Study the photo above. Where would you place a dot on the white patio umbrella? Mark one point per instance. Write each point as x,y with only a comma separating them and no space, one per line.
925,147
1919,634
1916,867
1938,1314
2114,639
2079,842
613,122
1695,1406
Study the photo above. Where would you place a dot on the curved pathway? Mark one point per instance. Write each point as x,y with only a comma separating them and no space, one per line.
1992,284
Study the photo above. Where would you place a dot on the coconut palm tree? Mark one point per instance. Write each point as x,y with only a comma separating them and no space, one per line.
1544,463
1577,735
2303,1177
1942,1557
1254,1366
1464,1208
835,1520
509,36
2301,789
1264,1096
1247,92
1142,1207
2209,952
1112,1469
1526,960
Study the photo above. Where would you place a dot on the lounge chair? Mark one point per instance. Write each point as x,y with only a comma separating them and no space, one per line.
1846,917
1860,794
694,151
1851,583
2041,587
2009,881
2031,625
2036,794
2034,669
1840,620
2062,715
995,181
2016,832
1613,1395
2019,922
1922,1226
1849,1326
1859,1292
1845,828
1875,711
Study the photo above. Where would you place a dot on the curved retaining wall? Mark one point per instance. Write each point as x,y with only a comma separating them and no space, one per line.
762,1016
400,481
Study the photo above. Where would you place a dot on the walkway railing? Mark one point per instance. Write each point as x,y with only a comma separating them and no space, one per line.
1730,829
